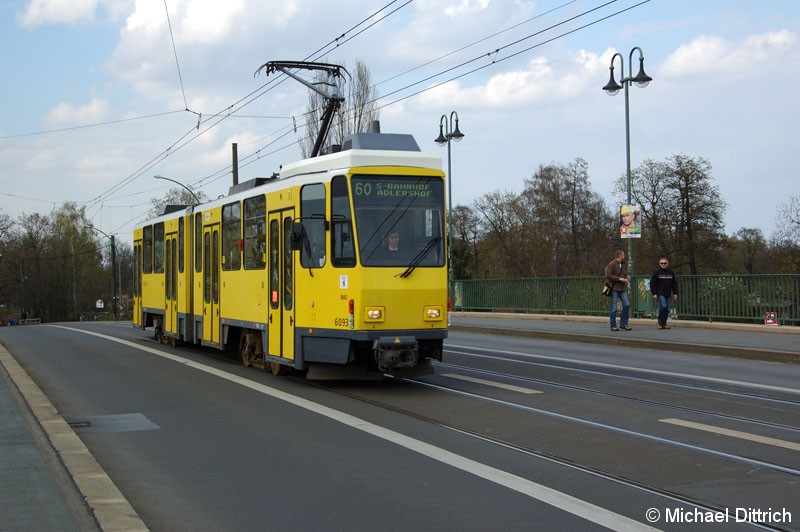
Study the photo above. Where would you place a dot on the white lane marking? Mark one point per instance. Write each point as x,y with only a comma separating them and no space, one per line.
511,387
633,368
562,501
733,433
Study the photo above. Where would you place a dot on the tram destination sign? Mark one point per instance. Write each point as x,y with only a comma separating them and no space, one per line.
392,189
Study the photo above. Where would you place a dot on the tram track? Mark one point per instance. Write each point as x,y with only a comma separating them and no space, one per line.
640,400
701,505
604,370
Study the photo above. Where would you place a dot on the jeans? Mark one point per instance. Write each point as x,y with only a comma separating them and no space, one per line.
663,309
622,296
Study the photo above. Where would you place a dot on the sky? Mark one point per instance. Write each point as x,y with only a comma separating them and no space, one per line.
98,96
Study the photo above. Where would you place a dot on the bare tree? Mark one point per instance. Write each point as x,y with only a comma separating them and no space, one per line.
569,219
748,247
683,212
175,196
467,234
788,219
786,240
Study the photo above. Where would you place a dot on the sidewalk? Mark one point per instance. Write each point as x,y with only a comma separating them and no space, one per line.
757,342
48,478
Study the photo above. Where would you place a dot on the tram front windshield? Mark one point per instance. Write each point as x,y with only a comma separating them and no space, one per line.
399,220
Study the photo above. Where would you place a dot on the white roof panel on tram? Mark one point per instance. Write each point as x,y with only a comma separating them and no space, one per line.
352,158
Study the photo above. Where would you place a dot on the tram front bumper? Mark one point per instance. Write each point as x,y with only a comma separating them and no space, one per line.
393,352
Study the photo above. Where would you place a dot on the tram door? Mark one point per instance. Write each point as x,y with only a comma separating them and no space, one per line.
281,285
211,284
137,283
170,284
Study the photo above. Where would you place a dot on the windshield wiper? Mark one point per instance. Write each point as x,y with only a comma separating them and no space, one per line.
421,255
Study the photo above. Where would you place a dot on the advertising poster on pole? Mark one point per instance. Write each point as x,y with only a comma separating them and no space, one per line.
630,219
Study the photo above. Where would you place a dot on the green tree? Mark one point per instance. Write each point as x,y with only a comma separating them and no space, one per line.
75,270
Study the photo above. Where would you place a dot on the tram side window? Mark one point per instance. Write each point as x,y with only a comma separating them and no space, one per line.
342,248
287,264
312,213
198,243
147,239
274,271
158,247
231,236
255,233
137,250
180,244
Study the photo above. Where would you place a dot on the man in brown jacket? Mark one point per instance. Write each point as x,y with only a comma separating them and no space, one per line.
617,274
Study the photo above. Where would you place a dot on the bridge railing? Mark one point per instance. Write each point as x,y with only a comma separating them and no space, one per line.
741,298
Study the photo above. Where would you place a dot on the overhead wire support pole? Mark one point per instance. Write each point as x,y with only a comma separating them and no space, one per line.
114,293
333,98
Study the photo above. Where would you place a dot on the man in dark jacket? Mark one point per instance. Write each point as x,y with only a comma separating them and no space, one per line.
663,285
617,274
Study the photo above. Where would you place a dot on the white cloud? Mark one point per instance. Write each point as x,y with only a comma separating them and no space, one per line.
68,114
39,12
452,8
42,12
540,80
210,21
709,54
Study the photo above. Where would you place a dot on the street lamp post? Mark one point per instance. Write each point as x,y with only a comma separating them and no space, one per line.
612,88
196,199
113,270
447,133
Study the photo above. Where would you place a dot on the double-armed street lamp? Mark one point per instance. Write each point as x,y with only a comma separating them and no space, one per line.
612,88
196,199
447,133
114,292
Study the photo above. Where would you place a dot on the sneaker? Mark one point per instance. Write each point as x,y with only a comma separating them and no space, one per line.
660,326
626,328
666,327
615,328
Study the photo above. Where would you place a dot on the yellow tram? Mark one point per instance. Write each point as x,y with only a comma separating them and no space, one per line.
337,266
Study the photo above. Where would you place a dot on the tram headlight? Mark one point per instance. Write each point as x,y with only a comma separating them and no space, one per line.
433,313
374,314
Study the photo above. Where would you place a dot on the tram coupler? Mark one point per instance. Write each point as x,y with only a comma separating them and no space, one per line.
394,352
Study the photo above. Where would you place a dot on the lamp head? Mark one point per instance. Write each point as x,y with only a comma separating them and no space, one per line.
612,87
440,140
642,80
456,135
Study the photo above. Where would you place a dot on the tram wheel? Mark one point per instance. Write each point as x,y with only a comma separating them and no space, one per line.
247,357
276,368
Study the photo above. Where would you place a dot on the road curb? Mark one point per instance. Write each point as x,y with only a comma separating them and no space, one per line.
788,357
110,508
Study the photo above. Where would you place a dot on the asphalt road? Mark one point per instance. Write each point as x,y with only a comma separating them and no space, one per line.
513,433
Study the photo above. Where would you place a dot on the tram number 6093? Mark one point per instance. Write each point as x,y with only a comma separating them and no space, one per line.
341,322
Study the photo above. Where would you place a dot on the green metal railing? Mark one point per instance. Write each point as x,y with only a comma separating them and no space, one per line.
742,298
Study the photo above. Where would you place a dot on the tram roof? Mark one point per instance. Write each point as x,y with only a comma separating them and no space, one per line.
334,162
353,158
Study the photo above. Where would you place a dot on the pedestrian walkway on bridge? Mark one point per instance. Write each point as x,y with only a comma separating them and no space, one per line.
757,342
